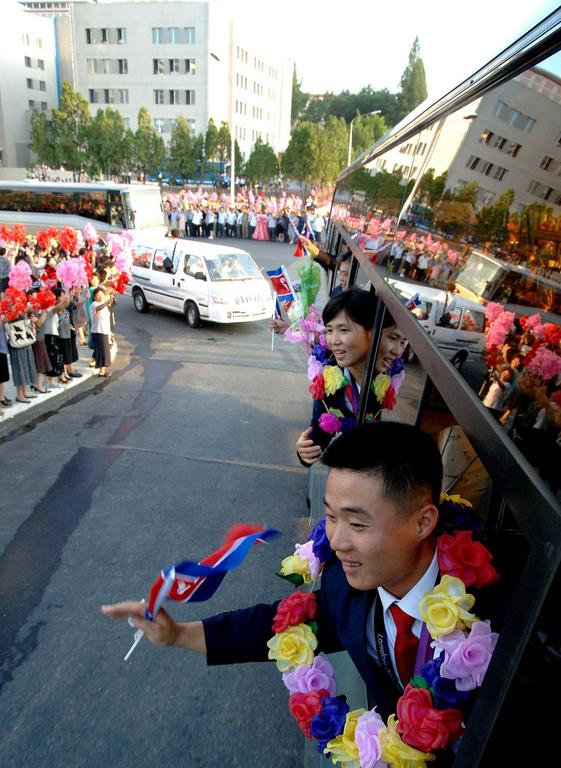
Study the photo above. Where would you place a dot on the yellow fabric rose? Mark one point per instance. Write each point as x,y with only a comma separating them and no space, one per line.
399,754
456,499
333,379
446,608
293,647
380,385
296,564
343,748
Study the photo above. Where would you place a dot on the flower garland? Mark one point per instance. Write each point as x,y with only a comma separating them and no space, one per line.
329,379
429,713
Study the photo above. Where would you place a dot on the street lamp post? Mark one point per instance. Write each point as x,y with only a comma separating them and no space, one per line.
375,112
232,137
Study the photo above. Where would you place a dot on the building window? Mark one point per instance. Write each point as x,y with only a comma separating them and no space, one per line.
173,66
41,64
190,66
190,35
28,61
514,117
158,35
158,66
29,83
174,97
31,104
159,96
546,162
42,85
159,124
174,35
189,97
540,190
44,106
106,35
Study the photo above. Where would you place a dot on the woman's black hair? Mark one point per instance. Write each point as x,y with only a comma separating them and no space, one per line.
358,305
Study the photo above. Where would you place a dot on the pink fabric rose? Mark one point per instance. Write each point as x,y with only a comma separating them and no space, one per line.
312,677
329,423
367,740
314,368
467,656
20,276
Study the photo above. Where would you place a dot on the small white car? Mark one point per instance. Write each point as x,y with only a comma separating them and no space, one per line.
202,281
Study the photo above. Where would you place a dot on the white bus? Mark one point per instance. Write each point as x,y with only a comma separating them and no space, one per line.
485,278
107,206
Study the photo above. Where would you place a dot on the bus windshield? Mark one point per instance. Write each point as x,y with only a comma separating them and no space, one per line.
144,207
479,276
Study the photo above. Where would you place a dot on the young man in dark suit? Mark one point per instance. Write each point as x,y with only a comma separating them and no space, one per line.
381,505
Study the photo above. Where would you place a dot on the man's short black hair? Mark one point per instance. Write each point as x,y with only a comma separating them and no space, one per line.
357,304
345,256
403,457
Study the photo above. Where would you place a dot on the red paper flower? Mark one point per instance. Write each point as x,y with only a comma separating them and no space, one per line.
68,239
458,555
13,304
295,609
4,232
390,400
424,727
317,387
17,234
552,334
304,706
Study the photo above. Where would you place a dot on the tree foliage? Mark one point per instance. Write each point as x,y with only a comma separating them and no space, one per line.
149,149
492,220
262,165
106,153
299,99
211,140
182,159
431,187
413,82
70,129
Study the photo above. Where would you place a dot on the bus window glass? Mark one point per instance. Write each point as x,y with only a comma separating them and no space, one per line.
478,275
91,205
142,256
48,201
473,321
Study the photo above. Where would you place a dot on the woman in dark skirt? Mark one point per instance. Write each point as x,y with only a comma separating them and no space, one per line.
52,342
42,362
101,330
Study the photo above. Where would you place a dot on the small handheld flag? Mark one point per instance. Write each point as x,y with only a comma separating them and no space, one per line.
413,302
198,581
281,283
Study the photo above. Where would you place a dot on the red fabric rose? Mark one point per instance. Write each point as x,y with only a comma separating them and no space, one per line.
458,555
303,706
390,399
424,727
17,234
68,239
317,387
295,609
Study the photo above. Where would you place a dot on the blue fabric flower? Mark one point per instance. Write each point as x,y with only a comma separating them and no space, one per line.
320,546
431,670
321,353
330,722
457,517
396,367
445,693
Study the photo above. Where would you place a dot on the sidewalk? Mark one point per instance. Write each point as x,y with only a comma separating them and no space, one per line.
19,414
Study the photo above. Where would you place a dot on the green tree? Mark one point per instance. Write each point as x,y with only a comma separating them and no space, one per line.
262,164
149,149
211,140
106,136
308,157
43,140
71,122
182,158
492,220
431,187
299,99
467,193
413,82
223,142
337,134
366,130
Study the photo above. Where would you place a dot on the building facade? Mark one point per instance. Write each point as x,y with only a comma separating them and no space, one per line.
29,79
499,142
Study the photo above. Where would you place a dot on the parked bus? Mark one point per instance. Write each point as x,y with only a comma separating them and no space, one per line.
515,492
486,278
108,207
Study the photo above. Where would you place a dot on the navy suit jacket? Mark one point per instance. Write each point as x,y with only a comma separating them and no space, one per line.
241,636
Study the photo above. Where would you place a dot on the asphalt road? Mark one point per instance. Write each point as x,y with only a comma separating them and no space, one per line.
195,431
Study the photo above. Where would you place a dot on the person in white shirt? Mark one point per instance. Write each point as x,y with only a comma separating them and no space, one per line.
101,330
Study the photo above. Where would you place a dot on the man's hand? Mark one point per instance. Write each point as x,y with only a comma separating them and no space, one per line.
163,630
306,448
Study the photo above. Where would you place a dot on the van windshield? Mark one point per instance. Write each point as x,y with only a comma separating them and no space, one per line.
239,266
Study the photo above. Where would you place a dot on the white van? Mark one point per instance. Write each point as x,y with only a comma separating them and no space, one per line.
456,324
202,281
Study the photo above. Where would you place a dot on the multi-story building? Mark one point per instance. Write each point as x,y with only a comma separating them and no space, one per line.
28,82
499,142
174,57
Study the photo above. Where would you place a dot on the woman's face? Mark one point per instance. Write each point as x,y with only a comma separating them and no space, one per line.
348,340
392,346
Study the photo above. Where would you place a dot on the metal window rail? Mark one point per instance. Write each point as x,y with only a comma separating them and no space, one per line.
532,504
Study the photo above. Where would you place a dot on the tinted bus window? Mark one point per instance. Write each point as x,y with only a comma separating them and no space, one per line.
91,205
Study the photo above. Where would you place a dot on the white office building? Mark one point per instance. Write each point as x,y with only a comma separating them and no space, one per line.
28,80
174,57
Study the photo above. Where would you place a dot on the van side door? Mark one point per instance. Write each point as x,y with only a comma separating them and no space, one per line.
162,288
194,282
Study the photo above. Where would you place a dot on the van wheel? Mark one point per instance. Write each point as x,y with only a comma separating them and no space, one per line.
459,359
140,303
192,315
